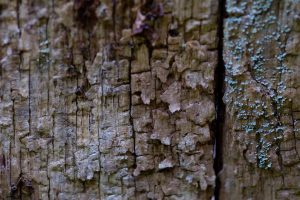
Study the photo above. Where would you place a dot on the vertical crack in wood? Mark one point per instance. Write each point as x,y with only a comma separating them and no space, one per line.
219,104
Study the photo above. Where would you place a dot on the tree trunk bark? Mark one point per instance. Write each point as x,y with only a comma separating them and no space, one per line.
149,99
107,100
261,134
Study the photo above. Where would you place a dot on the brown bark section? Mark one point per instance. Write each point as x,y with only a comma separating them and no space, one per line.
261,134
170,99
107,99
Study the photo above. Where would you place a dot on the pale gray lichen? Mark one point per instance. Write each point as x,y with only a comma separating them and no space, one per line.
248,68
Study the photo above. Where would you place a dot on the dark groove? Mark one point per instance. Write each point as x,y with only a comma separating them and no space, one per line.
131,120
48,65
130,110
219,104
49,179
29,98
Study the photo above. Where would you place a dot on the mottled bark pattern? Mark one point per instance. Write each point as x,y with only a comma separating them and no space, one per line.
261,135
94,105
122,99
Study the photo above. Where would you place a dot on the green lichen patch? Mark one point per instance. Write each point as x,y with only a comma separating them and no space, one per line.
254,55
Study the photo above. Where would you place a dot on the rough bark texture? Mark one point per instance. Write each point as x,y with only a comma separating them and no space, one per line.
107,100
123,99
261,135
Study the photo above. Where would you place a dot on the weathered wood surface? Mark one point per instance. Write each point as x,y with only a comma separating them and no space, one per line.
123,99
107,100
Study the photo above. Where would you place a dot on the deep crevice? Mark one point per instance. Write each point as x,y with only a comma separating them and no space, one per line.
131,120
219,104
